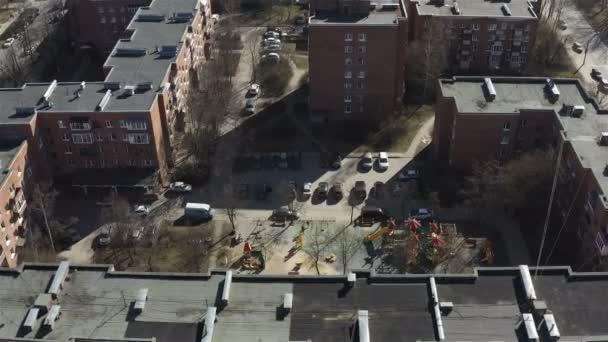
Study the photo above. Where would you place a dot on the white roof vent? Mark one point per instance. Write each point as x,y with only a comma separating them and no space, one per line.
52,316
31,318
140,300
207,335
528,321
226,289
603,139
490,88
104,100
49,91
455,8
527,281
363,325
552,89
129,90
506,10
551,326
59,278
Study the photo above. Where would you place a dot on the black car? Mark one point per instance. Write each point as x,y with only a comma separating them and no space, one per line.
284,213
374,213
360,189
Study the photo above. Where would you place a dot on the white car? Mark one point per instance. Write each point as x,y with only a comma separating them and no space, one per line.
105,234
254,89
180,187
272,48
215,17
271,40
307,190
408,174
383,161
8,42
271,34
577,47
137,233
367,161
272,57
141,209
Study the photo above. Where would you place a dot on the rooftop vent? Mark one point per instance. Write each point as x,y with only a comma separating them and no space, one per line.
226,289
528,323
30,320
143,86
526,279
82,86
168,51
181,17
59,278
506,10
150,17
363,325
140,300
491,92
104,100
603,139
578,111
552,89
130,52
111,85
129,90
49,91
207,335
551,327
455,8
52,316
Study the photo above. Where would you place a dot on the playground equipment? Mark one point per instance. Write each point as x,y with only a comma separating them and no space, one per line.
253,258
386,231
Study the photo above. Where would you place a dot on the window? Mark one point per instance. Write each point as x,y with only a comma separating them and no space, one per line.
100,10
476,27
65,137
113,20
348,74
80,126
503,26
89,163
68,149
496,48
347,108
348,49
361,108
82,138
348,61
362,37
348,85
360,85
361,49
111,9
122,124
492,27
70,161
348,37
348,98
360,61
506,126
136,125
99,137
147,163
102,20
524,123
102,163
138,138
60,124
108,124
112,137
360,98
361,74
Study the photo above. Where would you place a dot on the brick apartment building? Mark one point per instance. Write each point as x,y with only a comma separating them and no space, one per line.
13,193
116,132
356,55
98,24
481,118
479,36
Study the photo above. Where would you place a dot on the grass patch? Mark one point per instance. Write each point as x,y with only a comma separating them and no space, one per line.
396,135
301,62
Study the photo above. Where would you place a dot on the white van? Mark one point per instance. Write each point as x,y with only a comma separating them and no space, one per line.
201,211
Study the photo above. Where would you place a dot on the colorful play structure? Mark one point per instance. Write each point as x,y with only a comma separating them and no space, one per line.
253,258
382,232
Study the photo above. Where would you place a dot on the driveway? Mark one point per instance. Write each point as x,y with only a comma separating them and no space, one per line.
580,30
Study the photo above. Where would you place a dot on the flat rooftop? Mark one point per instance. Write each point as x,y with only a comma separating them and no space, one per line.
386,13
477,8
516,94
135,61
98,303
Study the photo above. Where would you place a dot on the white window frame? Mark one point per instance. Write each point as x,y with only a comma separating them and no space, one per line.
360,61
122,124
348,108
348,37
80,126
348,85
348,98
60,124
84,138
138,138
348,49
362,37
109,124
348,74
65,137
360,85
348,61
361,49
68,149
361,74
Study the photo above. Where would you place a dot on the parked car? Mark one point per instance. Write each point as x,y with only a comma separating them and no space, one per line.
105,234
292,190
198,211
373,213
271,40
301,19
360,189
603,84
322,190
383,161
284,213
421,214
562,25
577,47
336,191
71,236
336,162
180,187
137,233
8,42
243,191
215,17
596,74
272,34
254,89
408,174
271,48
367,161
272,57
307,190
141,210
250,106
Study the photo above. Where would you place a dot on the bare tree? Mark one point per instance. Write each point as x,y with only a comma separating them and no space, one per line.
253,48
317,240
12,68
43,201
119,215
346,244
